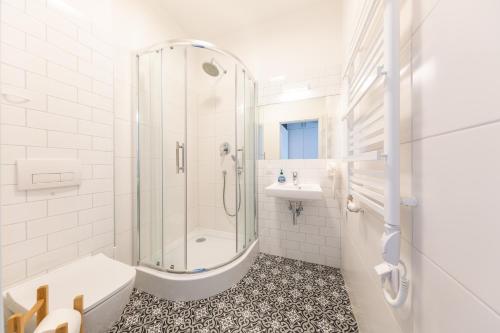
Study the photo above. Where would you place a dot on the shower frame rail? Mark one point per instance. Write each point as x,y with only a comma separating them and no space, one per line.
375,135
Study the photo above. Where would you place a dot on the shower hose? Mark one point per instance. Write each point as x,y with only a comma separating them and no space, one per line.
224,195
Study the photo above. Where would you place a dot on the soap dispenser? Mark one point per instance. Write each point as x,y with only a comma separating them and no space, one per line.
281,177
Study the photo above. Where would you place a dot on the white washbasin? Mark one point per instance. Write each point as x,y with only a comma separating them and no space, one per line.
300,192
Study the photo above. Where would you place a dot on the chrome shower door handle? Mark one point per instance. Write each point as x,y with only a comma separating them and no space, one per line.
240,164
179,146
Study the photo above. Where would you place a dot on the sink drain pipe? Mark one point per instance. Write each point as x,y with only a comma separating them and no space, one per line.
296,208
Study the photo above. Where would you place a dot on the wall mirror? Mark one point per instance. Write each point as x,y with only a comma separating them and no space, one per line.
300,129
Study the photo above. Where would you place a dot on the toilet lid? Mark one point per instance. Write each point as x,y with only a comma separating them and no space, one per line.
97,278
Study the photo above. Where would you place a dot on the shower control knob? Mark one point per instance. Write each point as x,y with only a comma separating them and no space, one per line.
224,148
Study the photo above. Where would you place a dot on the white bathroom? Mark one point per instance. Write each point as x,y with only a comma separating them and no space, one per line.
249,166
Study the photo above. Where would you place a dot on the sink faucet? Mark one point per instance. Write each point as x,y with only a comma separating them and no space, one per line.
295,175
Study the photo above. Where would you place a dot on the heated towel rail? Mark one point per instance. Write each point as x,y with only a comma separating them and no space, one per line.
372,124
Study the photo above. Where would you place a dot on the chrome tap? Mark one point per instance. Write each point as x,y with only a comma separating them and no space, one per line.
295,176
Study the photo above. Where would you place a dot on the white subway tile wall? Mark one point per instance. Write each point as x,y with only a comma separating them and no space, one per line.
316,237
61,64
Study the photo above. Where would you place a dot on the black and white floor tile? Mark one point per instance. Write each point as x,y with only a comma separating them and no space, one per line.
276,295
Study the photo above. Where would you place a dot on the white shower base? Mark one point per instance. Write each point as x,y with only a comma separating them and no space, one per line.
217,248
194,286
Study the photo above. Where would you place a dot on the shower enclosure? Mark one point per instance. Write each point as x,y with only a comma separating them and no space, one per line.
196,189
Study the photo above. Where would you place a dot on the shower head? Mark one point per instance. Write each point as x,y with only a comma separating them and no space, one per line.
212,68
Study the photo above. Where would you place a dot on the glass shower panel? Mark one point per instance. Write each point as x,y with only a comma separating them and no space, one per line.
150,159
250,155
174,158
193,253
211,220
240,154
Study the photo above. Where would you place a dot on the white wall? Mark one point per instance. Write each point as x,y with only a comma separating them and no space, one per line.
215,124
58,59
316,237
74,60
455,114
449,114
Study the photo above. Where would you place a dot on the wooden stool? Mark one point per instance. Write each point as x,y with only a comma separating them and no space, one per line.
17,322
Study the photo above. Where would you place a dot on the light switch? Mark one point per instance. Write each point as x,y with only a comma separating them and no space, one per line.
46,178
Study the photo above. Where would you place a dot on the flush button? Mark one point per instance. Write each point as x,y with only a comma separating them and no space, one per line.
45,174
46,178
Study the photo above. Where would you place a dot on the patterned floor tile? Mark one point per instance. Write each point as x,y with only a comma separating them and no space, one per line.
276,295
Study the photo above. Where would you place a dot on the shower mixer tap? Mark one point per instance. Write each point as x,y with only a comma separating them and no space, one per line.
225,149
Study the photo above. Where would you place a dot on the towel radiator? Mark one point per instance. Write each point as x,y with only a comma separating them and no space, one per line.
372,126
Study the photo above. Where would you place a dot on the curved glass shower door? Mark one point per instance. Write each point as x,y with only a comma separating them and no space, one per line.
174,161
149,168
196,158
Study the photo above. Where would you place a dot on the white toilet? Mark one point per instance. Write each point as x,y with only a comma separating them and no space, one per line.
106,285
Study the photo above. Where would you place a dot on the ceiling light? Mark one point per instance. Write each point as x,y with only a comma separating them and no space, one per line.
296,94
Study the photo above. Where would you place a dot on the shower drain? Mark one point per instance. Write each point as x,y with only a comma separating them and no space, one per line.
200,239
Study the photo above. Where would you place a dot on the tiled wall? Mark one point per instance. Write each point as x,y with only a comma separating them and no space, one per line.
124,151
75,61
449,161
215,125
316,237
59,61
454,241
313,63
136,25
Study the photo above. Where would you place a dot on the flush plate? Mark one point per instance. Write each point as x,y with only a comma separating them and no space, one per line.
42,174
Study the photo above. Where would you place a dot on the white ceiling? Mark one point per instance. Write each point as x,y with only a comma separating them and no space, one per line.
204,18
